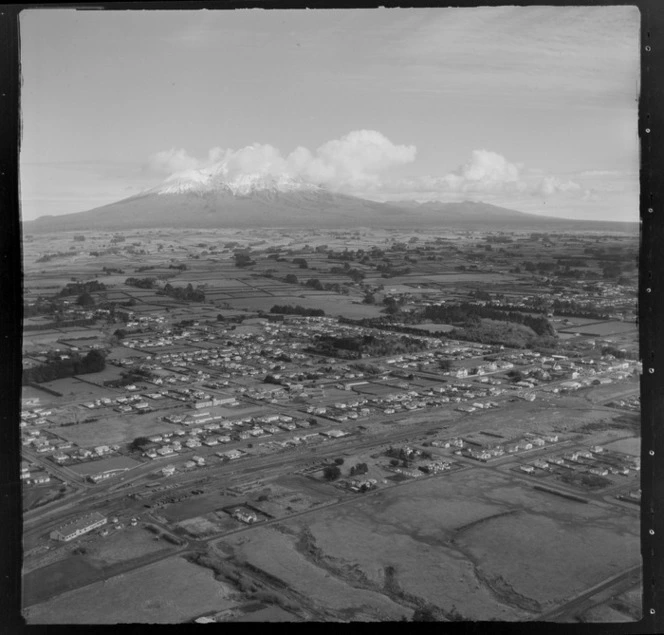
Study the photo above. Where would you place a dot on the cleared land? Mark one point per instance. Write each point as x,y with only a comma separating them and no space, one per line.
159,593
276,554
628,446
111,463
451,542
113,430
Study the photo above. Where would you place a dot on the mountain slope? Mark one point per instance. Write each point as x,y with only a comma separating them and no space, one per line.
209,199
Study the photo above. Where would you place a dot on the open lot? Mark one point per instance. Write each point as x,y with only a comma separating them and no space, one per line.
102,465
602,329
276,553
74,389
331,303
204,526
159,593
628,446
469,525
114,429
198,506
122,545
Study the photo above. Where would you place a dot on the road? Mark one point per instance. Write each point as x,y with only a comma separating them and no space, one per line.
593,596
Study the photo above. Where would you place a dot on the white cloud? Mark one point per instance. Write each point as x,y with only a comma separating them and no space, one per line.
551,185
486,173
357,159
170,161
358,163
354,161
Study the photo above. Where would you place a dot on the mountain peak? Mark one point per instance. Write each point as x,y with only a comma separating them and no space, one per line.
216,179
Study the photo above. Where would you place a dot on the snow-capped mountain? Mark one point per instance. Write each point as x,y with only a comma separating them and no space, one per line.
217,179
212,197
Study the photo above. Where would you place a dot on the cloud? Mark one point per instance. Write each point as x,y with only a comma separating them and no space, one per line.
354,161
170,162
359,163
551,185
486,172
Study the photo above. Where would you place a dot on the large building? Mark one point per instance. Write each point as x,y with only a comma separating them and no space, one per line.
79,527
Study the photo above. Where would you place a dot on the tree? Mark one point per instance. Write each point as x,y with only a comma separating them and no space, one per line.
445,365
301,262
314,283
243,260
339,461
291,278
85,299
369,298
331,472
94,362
360,468
516,375
139,443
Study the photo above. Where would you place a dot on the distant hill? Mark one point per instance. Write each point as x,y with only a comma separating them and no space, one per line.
202,201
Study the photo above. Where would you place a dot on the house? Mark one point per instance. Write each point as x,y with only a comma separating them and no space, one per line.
528,469
334,433
78,527
482,455
248,517
169,470
230,454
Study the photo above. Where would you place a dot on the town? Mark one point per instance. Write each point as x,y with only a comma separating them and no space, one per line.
195,402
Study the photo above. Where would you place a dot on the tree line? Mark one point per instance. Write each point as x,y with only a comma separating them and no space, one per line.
93,362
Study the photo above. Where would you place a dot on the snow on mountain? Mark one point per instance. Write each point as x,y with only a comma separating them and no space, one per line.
217,179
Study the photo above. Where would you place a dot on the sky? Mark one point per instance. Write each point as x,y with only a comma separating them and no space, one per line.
531,108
